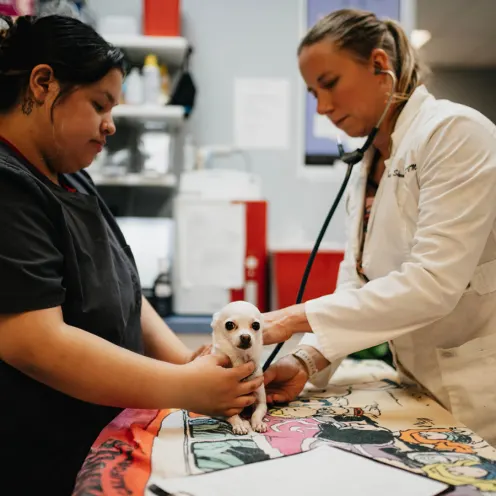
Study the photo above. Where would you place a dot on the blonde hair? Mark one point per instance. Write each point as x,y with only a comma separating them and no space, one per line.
359,32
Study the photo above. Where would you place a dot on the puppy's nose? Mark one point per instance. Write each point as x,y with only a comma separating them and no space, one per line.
244,341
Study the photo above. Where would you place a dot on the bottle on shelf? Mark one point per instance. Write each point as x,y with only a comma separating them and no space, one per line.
151,80
134,93
162,289
164,85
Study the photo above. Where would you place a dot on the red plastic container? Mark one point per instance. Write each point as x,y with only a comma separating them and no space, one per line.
161,17
288,267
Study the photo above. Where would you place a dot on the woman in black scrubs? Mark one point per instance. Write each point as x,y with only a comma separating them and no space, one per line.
78,342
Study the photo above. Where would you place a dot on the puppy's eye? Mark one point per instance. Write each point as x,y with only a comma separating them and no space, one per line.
255,326
230,325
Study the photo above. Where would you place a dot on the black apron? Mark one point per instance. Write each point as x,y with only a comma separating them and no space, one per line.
46,434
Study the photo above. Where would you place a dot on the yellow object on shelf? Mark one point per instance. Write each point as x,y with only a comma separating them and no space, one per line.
151,59
164,84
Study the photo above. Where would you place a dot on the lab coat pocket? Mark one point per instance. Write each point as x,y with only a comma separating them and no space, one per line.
467,373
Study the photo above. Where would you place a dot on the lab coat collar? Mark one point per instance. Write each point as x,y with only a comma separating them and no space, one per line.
403,124
408,114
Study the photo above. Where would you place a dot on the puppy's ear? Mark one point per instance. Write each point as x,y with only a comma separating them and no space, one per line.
215,319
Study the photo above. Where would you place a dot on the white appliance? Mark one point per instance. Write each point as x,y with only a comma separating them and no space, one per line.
210,257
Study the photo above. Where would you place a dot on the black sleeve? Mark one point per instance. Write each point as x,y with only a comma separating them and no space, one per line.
31,263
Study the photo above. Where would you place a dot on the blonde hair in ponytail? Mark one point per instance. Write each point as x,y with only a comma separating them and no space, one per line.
360,32
408,68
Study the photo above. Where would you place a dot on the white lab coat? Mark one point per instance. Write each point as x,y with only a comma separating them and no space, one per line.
430,256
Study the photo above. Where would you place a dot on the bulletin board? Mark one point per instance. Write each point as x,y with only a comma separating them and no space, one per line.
320,135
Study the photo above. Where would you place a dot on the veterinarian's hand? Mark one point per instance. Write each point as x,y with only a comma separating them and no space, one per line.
280,325
212,387
285,379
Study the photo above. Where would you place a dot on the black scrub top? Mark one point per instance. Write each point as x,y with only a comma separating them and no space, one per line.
58,248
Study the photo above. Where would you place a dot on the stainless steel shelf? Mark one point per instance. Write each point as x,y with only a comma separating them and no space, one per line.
166,181
168,49
171,115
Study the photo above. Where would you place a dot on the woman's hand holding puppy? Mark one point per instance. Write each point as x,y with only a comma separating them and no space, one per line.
203,350
211,387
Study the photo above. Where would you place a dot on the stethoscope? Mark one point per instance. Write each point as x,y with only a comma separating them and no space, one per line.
351,159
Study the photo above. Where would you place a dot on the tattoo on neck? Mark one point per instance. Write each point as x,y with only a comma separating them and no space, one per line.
27,105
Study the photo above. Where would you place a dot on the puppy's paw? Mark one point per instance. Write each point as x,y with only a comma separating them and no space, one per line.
258,425
257,419
240,427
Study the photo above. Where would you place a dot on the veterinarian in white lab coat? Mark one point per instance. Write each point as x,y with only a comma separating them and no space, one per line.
419,268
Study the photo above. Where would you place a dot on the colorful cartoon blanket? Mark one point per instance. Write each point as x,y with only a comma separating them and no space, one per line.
363,410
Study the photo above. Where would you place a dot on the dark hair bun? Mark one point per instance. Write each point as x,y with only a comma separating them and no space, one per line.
24,25
15,41
21,27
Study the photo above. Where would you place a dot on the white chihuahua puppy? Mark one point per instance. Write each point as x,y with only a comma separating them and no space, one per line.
237,332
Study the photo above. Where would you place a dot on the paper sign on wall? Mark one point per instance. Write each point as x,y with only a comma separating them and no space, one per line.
261,113
213,240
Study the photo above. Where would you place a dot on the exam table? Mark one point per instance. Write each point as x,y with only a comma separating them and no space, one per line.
364,410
